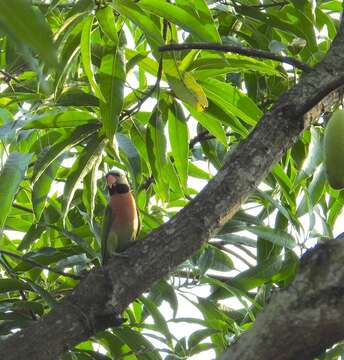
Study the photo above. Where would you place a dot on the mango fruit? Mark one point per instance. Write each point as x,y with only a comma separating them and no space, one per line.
334,150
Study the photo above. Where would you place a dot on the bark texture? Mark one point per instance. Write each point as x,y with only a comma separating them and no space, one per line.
88,309
304,320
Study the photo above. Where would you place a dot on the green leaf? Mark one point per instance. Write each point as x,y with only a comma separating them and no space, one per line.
34,306
129,151
162,290
314,157
179,140
107,21
211,123
143,61
334,5
177,15
237,239
76,97
257,275
28,26
156,142
8,131
44,294
31,235
196,172
275,236
209,67
84,163
159,320
213,258
90,187
11,176
78,240
313,192
46,256
234,103
7,285
183,83
42,186
63,145
199,335
221,261
65,119
85,48
111,79
143,349
139,17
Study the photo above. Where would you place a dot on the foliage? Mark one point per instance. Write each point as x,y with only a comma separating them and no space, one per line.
84,89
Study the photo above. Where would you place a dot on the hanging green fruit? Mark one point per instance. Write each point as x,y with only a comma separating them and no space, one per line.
334,150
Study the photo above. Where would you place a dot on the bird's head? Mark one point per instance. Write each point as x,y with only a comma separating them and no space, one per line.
116,180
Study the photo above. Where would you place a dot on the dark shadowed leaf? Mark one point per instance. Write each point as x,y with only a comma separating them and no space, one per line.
11,176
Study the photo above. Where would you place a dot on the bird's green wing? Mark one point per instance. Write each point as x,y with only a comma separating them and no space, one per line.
105,233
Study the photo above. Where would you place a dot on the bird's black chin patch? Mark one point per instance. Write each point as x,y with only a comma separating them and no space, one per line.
118,189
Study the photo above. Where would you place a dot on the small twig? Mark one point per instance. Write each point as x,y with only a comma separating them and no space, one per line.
146,96
203,136
195,279
21,207
8,76
35,263
257,53
147,183
266,6
260,6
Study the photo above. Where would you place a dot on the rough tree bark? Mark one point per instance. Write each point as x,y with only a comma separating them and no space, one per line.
88,309
304,320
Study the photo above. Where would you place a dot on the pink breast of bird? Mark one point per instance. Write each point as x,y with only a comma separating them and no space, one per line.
124,210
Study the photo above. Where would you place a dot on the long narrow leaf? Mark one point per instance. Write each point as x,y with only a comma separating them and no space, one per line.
112,77
80,168
179,139
11,176
85,48
18,19
67,142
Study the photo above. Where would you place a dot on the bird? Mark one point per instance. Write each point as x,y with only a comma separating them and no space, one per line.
121,224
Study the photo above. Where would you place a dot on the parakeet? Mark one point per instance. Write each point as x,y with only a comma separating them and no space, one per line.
121,221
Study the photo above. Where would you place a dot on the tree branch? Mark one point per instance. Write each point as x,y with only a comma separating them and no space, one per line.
112,287
304,320
256,53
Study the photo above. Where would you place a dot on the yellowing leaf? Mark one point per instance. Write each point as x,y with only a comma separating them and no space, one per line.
193,86
188,90
183,83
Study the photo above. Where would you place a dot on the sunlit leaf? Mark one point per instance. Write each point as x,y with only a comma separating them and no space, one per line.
85,48
28,27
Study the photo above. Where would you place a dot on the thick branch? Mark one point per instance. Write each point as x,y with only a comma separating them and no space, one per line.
304,320
257,53
114,286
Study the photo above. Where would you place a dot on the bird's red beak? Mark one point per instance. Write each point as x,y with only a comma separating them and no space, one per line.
111,180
